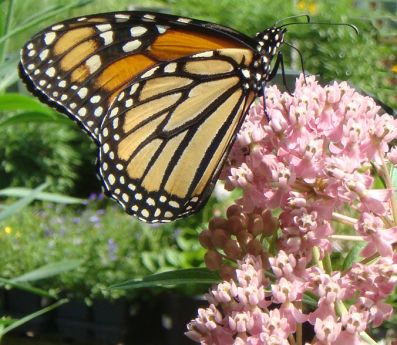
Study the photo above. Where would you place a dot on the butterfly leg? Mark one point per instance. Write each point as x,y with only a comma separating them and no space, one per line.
280,62
264,101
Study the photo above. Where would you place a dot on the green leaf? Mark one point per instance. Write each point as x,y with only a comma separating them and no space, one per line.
178,277
310,300
48,270
353,256
26,200
9,71
29,117
32,316
148,261
16,101
44,196
42,16
26,287
172,256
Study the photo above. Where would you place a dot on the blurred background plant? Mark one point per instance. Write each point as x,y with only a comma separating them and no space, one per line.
37,144
110,245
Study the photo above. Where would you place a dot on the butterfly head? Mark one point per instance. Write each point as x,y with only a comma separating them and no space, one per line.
268,44
270,40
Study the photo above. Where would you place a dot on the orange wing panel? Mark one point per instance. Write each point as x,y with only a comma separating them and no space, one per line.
115,76
174,44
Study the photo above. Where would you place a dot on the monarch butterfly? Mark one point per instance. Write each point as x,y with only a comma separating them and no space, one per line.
162,96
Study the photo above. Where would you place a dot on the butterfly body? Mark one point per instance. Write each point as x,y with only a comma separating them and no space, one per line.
162,96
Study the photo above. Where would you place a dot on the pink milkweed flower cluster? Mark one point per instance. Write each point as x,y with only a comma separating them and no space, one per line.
316,180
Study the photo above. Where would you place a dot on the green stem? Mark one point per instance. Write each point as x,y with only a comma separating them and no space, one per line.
27,287
6,29
299,334
341,218
316,258
365,337
347,238
327,263
32,316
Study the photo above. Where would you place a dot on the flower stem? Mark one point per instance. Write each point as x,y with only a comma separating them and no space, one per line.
298,336
316,258
341,218
389,185
327,263
347,238
364,336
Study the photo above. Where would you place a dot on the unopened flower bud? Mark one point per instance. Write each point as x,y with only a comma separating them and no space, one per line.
217,223
232,250
227,272
219,238
205,239
254,247
256,226
265,260
243,238
213,260
270,223
233,210
235,225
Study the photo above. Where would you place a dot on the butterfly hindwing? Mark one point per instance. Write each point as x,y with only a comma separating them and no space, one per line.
165,138
81,64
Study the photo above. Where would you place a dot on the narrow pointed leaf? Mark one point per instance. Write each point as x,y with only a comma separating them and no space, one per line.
32,316
44,196
26,200
178,277
49,270
26,287
353,256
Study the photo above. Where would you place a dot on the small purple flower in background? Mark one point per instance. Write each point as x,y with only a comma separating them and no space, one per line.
95,220
177,233
100,211
48,232
112,250
92,196
76,220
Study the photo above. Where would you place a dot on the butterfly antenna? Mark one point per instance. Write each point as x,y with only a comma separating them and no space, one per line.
300,58
293,17
352,26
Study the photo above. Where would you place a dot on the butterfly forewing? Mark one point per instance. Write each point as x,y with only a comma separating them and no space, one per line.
80,65
167,135
162,96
